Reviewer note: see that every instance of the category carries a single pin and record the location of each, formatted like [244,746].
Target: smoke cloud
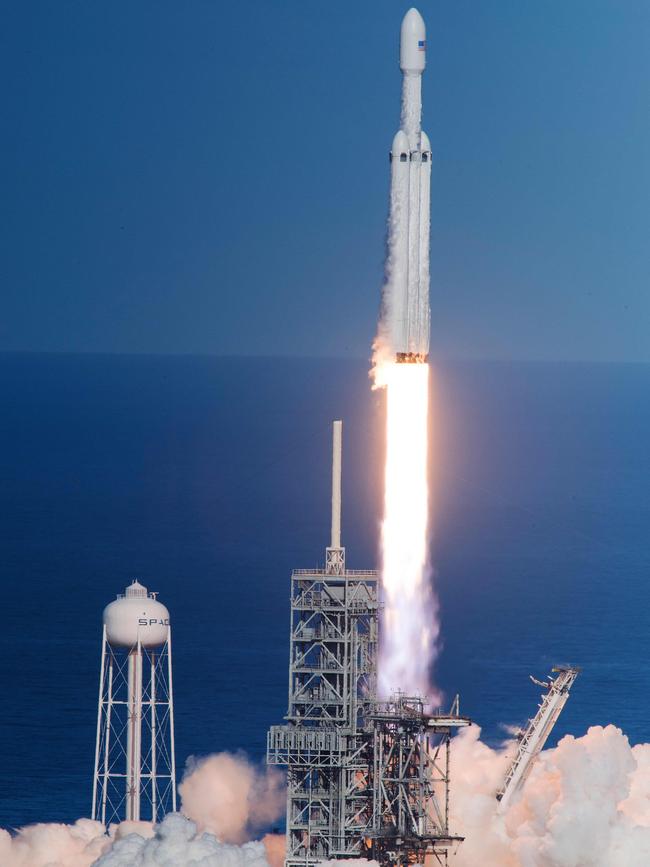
[178,843]
[585,804]
[77,845]
[230,798]
[225,801]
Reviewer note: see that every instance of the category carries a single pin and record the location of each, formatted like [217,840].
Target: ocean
[208,479]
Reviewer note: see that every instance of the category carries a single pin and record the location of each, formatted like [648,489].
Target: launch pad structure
[530,741]
[332,683]
[364,778]
[411,781]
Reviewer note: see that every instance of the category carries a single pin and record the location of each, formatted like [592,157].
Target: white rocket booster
[406,294]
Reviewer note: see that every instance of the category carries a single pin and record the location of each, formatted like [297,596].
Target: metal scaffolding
[411,781]
[364,779]
[331,685]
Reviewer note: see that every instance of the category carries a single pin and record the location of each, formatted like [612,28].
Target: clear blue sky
[209,177]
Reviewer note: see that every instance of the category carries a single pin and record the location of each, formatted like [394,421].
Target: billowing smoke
[177,842]
[225,801]
[77,845]
[585,804]
[231,798]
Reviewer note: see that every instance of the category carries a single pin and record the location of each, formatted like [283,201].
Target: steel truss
[135,771]
[411,781]
[332,683]
[364,779]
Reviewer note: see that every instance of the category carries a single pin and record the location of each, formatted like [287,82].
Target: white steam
[225,801]
[178,843]
[231,798]
[585,804]
[77,845]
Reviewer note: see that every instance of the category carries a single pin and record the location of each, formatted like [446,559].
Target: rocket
[406,293]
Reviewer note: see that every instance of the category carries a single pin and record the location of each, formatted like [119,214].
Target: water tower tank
[136,615]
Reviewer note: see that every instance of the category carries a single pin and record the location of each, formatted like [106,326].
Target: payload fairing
[406,294]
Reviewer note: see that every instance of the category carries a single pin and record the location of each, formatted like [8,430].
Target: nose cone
[400,144]
[413,42]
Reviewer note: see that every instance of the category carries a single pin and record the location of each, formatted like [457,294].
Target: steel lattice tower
[364,778]
[332,677]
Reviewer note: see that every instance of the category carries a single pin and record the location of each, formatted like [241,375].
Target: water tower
[135,768]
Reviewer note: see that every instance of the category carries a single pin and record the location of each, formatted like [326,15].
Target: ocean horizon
[207,478]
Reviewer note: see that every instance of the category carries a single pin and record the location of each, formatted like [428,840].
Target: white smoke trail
[411,108]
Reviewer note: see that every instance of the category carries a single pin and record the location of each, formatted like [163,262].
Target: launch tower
[332,676]
[364,778]
[135,769]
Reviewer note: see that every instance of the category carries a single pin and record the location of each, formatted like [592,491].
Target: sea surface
[208,480]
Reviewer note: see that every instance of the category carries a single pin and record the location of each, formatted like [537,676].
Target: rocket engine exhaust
[409,629]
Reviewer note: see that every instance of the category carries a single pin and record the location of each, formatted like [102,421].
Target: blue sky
[212,178]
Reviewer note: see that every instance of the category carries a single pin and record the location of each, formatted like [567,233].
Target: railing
[283,739]
[349,573]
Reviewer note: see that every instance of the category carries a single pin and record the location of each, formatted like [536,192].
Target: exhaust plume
[410,624]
